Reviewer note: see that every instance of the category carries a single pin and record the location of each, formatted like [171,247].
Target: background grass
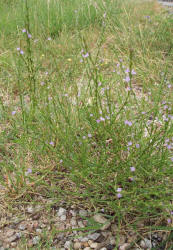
[65,104]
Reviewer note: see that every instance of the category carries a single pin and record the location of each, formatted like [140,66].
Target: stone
[12,238]
[38,230]
[94,236]
[30,209]
[114,228]
[103,248]
[83,239]
[61,212]
[83,213]
[13,244]
[124,246]
[94,245]
[22,226]
[73,221]
[112,240]
[68,244]
[77,245]
[121,240]
[63,217]
[73,213]
[99,218]
[80,224]
[145,243]
[87,248]
[9,233]
[36,240]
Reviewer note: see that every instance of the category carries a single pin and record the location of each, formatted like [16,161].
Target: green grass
[58,100]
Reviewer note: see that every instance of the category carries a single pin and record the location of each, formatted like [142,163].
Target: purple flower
[132,169]
[84,137]
[29,35]
[42,83]
[13,112]
[99,84]
[24,30]
[81,61]
[169,86]
[49,39]
[119,195]
[172,159]
[129,143]
[128,123]
[21,52]
[102,118]
[169,146]
[89,135]
[61,161]
[91,115]
[131,179]
[127,71]
[98,121]
[169,220]
[51,143]
[171,212]
[133,72]
[127,79]
[128,88]
[118,65]
[85,55]
[29,171]
[147,17]
[18,49]
[137,145]
[119,190]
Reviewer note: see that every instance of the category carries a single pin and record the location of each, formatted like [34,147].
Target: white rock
[73,213]
[103,248]
[38,230]
[93,236]
[68,244]
[145,243]
[87,248]
[36,240]
[94,245]
[83,239]
[73,222]
[30,209]
[22,226]
[124,246]
[112,240]
[80,224]
[61,212]
[100,218]
[63,217]
[77,245]
[83,213]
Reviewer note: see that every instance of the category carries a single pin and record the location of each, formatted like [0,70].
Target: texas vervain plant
[96,101]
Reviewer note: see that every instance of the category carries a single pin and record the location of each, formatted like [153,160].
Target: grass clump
[86,106]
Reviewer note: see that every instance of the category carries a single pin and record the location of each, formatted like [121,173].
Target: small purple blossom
[18,49]
[172,159]
[169,86]
[49,38]
[128,88]
[127,79]
[137,145]
[91,115]
[85,55]
[61,161]
[29,35]
[119,190]
[129,123]
[13,112]
[119,195]
[21,52]
[129,143]
[102,118]
[24,30]
[98,121]
[118,65]
[89,135]
[169,220]
[131,179]
[133,72]
[99,84]
[132,169]
[84,137]
[29,171]
[81,61]
[127,71]
[42,83]
[147,17]
[51,143]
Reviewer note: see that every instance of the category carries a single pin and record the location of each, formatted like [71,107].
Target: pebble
[12,238]
[122,240]
[87,248]
[30,209]
[36,240]
[2,248]
[80,224]
[22,226]
[61,212]
[112,240]
[38,230]
[14,244]
[124,246]
[94,236]
[73,213]
[83,239]
[94,245]
[63,217]
[102,220]
[73,221]
[68,244]
[103,248]
[83,213]
[77,245]
[145,243]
